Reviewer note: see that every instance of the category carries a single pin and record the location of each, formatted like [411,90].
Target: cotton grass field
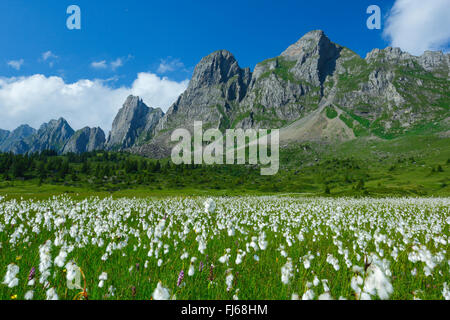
[224,248]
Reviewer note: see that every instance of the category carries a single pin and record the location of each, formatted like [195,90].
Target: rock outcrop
[50,136]
[13,141]
[85,140]
[134,124]
[3,135]
[217,87]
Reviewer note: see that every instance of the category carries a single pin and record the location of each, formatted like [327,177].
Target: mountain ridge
[314,90]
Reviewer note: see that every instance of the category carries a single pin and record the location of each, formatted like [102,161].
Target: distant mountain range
[315,90]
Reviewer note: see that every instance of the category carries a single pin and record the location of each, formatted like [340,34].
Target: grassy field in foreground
[225,248]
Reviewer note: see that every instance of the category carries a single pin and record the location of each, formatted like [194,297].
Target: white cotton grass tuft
[229,279]
[377,283]
[262,241]
[325,296]
[73,276]
[10,278]
[61,258]
[374,281]
[161,293]
[51,294]
[111,291]
[287,271]
[241,254]
[308,295]
[210,205]
[103,277]
[235,296]
[333,261]
[191,270]
[226,257]
[29,295]
[45,261]
[446,291]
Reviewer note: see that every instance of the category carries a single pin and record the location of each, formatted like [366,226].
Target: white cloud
[113,65]
[16,64]
[38,99]
[170,65]
[116,64]
[99,64]
[48,55]
[417,25]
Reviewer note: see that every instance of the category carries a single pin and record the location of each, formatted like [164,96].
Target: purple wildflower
[211,273]
[180,278]
[32,274]
[200,267]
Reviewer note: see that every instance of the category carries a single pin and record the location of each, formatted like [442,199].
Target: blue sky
[165,39]
[141,33]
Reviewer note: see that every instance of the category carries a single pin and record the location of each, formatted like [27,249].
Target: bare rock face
[133,124]
[85,140]
[3,135]
[290,86]
[9,140]
[315,57]
[50,136]
[436,62]
[215,91]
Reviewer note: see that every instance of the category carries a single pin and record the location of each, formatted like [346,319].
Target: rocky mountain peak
[315,55]
[135,121]
[3,135]
[85,140]
[216,68]
[59,129]
[23,131]
[9,139]
[312,41]
[389,55]
[134,102]
[431,61]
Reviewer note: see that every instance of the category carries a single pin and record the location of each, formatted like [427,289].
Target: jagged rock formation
[50,136]
[133,124]
[217,87]
[3,135]
[12,141]
[85,140]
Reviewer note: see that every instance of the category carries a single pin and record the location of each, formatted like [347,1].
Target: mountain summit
[133,124]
